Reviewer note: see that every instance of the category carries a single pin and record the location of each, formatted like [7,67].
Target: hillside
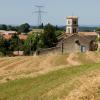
[51,77]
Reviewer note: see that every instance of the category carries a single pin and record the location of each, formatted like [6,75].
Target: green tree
[3,27]
[58,33]
[41,26]
[30,44]
[2,49]
[24,28]
[12,28]
[4,46]
[50,38]
[98,29]
[15,43]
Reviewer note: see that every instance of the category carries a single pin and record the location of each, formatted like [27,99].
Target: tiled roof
[87,33]
[7,32]
[22,37]
[7,36]
[72,17]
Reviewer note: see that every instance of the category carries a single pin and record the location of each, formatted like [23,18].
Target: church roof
[88,33]
[72,17]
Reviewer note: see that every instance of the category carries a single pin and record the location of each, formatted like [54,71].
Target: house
[3,32]
[23,37]
[8,34]
[37,31]
[77,42]
[74,41]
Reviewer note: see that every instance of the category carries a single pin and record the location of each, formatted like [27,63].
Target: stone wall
[53,50]
[69,45]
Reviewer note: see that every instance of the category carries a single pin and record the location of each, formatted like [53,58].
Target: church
[74,41]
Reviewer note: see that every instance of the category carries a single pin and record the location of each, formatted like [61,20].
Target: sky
[16,12]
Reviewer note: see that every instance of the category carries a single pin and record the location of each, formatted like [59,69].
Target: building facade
[72,25]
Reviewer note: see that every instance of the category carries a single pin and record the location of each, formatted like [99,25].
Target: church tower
[72,25]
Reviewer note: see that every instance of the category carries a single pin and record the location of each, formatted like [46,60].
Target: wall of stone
[53,50]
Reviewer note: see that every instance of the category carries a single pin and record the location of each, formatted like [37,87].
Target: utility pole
[62,47]
[39,12]
[31,47]
[18,44]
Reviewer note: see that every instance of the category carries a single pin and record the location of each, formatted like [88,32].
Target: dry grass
[71,83]
[12,68]
[87,87]
[34,75]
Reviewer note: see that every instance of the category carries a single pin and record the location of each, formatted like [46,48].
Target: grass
[60,60]
[51,86]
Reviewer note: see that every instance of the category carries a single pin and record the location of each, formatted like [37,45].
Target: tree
[98,29]
[2,49]
[15,43]
[8,46]
[24,28]
[30,44]
[50,38]
[41,26]
[3,27]
[12,28]
[58,33]
[4,46]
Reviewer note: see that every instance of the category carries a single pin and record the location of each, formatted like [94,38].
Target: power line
[39,12]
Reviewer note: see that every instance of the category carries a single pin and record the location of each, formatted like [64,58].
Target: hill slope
[51,77]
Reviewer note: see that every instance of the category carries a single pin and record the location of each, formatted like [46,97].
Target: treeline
[33,43]
[7,47]
[24,28]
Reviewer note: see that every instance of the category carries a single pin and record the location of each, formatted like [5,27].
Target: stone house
[78,42]
[74,41]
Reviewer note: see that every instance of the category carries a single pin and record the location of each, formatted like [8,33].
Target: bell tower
[72,25]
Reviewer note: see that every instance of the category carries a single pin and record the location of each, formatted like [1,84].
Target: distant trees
[58,33]
[15,43]
[98,29]
[3,27]
[30,44]
[4,46]
[7,47]
[50,38]
[41,26]
[2,49]
[24,28]
[12,28]
[33,43]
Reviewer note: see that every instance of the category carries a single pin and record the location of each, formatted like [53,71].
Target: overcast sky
[21,11]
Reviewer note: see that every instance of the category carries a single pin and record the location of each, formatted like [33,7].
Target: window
[68,30]
[74,22]
[74,30]
[68,22]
